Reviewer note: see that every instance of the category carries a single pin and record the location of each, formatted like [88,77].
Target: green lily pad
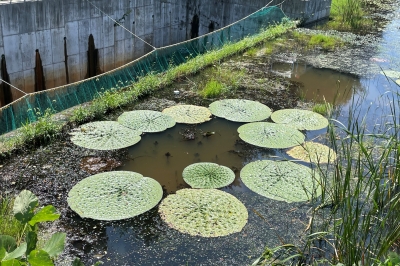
[114,195]
[146,121]
[204,212]
[188,114]
[105,135]
[313,152]
[300,119]
[208,175]
[270,135]
[281,180]
[239,110]
[391,74]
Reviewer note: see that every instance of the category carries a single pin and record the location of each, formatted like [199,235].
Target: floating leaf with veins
[114,195]
[313,152]
[204,212]
[281,180]
[105,135]
[239,110]
[270,135]
[208,175]
[300,119]
[188,114]
[146,121]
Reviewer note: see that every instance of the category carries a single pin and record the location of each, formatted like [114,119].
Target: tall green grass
[349,15]
[8,224]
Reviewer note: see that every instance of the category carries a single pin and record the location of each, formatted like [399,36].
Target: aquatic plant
[281,180]
[270,135]
[204,212]
[13,252]
[208,175]
[313,152]
[300,119]
[114,195]
[188,114]
[104,135]
[212,89]
[239,110]
[146,121]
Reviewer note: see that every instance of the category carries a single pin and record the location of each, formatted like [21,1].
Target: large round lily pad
[114,195]
[105,135]
[313,152]
[146,120]
[204,212]
[208,175]
[188,114]
[239,110]
[281,180]
[300,119]
[270,135]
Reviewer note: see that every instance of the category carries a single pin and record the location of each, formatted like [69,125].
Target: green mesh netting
[27,108]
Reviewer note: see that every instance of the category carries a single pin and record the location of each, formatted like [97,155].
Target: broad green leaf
[18,252]
[11,262]
[208,175]
[188,114]
[240,110]
[204,212]
[105,135]
[313,152]
[31,240]
[300,119]
[146,120]
[114,195]
[39,258]
[46,214]
[55,245]
[281,180]
[8,243]
[77,262]
[3,253]
[270,135]
[24,205]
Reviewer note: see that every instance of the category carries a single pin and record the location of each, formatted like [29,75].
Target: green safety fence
[28,108]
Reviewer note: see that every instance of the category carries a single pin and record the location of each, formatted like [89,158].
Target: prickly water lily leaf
[105,135]
[313,152]
[281,180]
[204,212]
[239,110]
[188,114]
[114,195]
[146,120]
[208,175]
[391,73]
[300,119]
[270,135]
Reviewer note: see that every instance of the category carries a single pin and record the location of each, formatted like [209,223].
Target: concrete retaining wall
[60,30]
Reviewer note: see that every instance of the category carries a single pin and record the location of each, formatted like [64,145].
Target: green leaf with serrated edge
[39,258]
[281,180]
[55,245]
[114,195]
[77,262]
[12,262]
[270,135]
[24,205]
[46,214]
[31,240]
[240,110]
[8,243]
[146,120]
[188,114]
[104,135]
[18,252]
[300,119]
[208,175]
[203,212]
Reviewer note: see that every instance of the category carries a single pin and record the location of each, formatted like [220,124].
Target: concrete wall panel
[43,43]
[49,76]
[84,32]
[59,74]
[119,53]
[57,44]
[97,31]
[17,80]
[28,41]
[57,19]
[12,50]
[72,34]
[73,68]
[43,14]
[9,17]
[83,65]
[27,17]
[109,54]
[29,80]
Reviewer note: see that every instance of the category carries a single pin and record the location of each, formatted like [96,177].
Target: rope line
[13,86]
[119,24]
